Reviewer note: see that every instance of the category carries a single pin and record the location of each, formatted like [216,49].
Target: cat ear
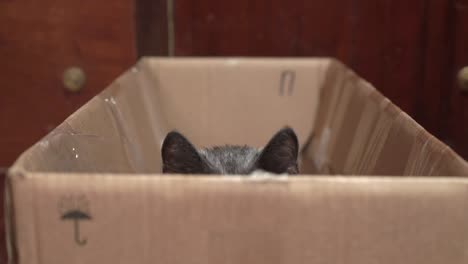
[180,156]
[280,154]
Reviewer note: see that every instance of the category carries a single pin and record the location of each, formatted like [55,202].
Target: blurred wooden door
[38,41]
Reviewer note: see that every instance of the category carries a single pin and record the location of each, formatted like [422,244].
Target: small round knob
[463,79]
[74,79]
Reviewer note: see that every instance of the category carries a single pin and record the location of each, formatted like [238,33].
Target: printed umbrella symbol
[76,216]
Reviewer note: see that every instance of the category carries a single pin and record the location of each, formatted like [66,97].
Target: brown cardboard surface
[148,219]
[212,101]
[104,161]
[360,132]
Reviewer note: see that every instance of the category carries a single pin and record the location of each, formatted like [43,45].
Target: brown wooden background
[410,50]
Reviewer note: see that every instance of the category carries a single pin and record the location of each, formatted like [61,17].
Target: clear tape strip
[111,103]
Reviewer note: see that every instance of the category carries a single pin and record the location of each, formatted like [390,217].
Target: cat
[279,156]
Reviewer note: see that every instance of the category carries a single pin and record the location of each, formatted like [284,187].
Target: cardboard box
[91,191]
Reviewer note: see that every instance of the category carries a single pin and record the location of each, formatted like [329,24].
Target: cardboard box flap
[117,131]
[360,132]
[145,219]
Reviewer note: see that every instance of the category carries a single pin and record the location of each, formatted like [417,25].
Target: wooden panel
[386,48]
[458,110]
[38,40]
[432,99]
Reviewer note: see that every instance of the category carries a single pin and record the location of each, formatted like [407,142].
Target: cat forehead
[231,159]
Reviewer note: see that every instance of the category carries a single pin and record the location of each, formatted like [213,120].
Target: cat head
[279,156]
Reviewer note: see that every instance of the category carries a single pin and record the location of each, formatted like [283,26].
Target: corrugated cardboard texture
[183,220]
[88,192]
[360,132]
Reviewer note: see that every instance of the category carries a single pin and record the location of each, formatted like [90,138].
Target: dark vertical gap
[151,28]
[423,60]
[446,91]
[170,27]
[136,41]
[354,13]
[386,46]
[138,31]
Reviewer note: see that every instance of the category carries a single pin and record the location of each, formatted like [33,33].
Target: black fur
[279,156]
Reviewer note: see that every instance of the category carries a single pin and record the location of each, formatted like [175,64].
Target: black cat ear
[180,156]
[280,154]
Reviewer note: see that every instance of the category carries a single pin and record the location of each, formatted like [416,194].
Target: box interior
[344,125]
